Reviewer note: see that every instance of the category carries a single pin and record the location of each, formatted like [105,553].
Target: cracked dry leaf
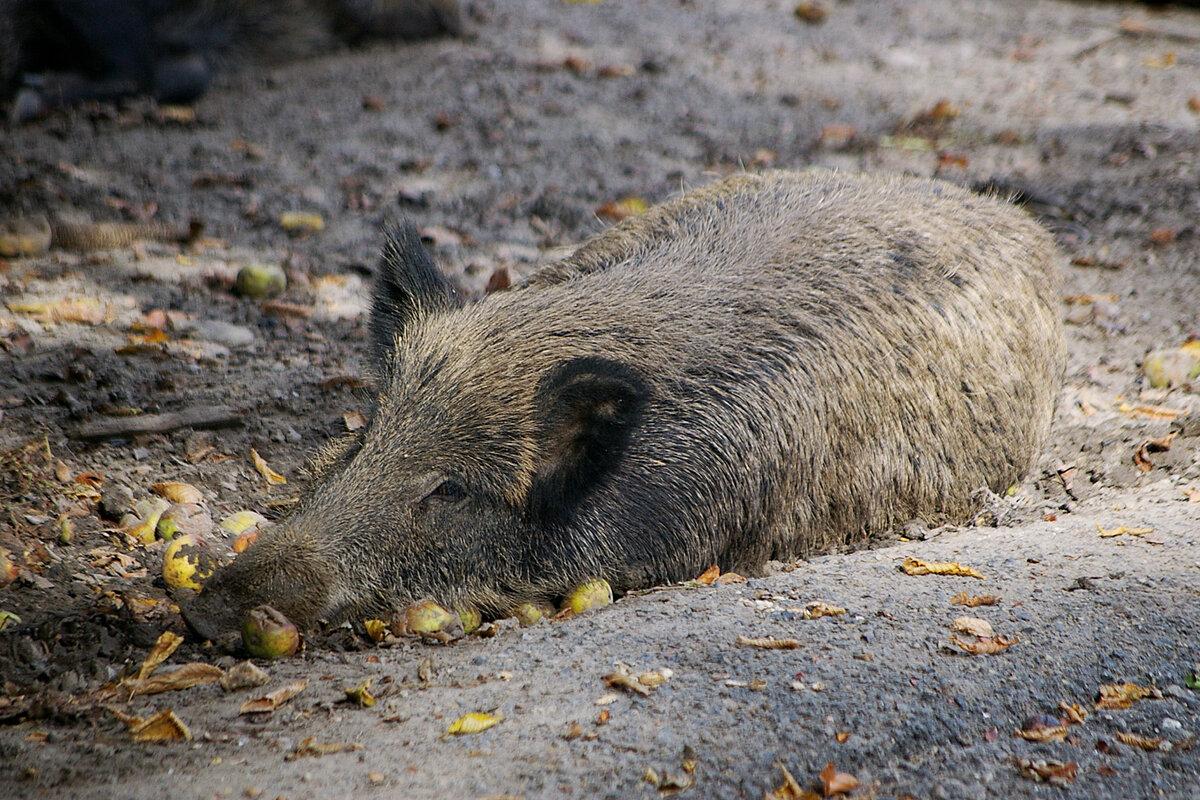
[1074,713]
[1057,773]
[1123,695]
[1122,530]
[273,700]
[361,695]
[621,678]
[768,642]
[243,675]
[916,566]
[790,789]
[818,608]
[185,677]
[162,650]
[966,599]
[1142,742]
[272,477]
[985,646]
[974,626]
[475,722]
[834,782]
[311,747]
[177,492]
[161,727]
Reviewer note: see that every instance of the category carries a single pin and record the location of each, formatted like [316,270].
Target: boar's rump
[763,367]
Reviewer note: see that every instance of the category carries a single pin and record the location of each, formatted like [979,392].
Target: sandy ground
[502,148]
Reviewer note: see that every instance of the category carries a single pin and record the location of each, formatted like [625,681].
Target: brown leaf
[162,650]
[834,782]
[790,789]
[1043,733]
[162,727]
[354,420]
[769,642]
[1143,742]
[1042,771]
[730,578]
[620,678]
[709,575]
[985,646]
[1123,695]
[1145,411]
[185,677]
[818,608]
[603,717]
[965,599]
[1074,713]
[243,675]
[814,13]
[573,732]
[974,626]
[915,566]
[272,477]
[311,747]
[273,700]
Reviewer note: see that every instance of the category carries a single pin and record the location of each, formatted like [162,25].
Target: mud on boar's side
[760,368]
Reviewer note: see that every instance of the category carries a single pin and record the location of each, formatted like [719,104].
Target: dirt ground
[504,148]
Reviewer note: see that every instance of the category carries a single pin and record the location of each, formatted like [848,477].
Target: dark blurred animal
[61,52]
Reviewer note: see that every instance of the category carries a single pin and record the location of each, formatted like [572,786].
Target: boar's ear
[587,409]
[408,286]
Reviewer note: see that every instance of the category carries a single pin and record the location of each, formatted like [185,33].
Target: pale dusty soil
[502,147]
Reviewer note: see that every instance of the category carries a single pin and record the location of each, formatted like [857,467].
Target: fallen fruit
[531,613]
[427,618]
[471,619]
[269,634]
[586,596]
[187,562]
[143,521]
[257,281]
[183,519]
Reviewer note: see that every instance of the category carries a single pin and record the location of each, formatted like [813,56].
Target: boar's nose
[209,615]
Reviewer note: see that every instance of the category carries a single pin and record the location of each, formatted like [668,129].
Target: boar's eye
[448,490]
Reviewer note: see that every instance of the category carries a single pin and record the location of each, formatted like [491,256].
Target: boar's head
[463,486]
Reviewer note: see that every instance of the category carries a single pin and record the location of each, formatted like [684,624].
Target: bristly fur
[766,366]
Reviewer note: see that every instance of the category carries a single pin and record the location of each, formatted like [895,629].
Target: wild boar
[763,367]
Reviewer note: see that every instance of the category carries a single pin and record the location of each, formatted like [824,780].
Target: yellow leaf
[162,650]
[818,608]
[1121,530]
[272,477]
[473,723]
[768,642]
[1123,695]
[915,566]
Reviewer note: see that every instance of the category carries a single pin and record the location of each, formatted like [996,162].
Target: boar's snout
[283,569]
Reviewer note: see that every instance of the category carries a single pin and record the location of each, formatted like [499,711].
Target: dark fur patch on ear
[408,286]
[588,409]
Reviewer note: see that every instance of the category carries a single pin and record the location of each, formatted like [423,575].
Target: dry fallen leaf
[311,747]
[162,650]
[1123,695]
[473,723]
[915,566]
[985,646]
[709,575]
[273,700]
[1043,728]
[1042,771]
[817,609]
[376,629]
[621,678]
[790,789]
[1073,712]
[177,492]
[272,477]
[834,782]
[1121,530]
[87,310]
[354,420]
[1143,742]
[974,626]
[1151,412]
[768,642]
[623,208]
[162,727]
[243,675]
[185,677]
[966,599]
[361,695]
